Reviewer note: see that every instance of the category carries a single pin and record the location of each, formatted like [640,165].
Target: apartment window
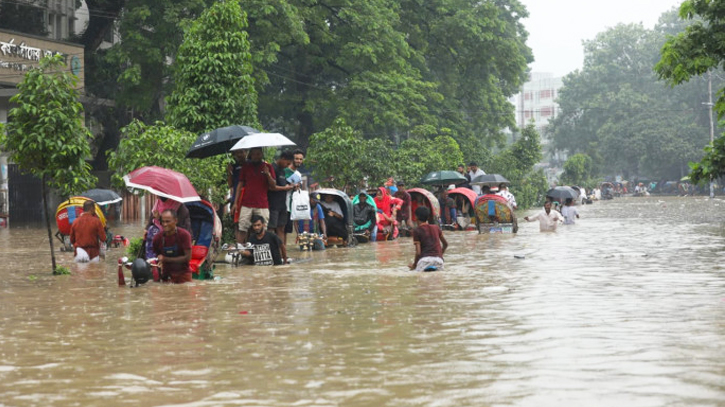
[528,96]
[527,114]
[546,94]
[547,111]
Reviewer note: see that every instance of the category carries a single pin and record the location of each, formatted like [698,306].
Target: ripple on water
[623,308]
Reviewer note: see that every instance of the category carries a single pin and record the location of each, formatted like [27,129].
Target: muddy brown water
[625,308]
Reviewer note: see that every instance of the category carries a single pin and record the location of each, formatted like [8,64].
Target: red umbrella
[162,182]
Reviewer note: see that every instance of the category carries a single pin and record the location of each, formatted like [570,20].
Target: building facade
[537,102]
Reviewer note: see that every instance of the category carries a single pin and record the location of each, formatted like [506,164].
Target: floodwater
[625,308]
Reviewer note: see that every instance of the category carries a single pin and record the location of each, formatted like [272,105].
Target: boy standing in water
[427,239]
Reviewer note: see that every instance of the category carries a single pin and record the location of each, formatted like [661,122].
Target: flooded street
[625,308]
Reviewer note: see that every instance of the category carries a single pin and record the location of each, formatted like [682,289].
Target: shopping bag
[300,209]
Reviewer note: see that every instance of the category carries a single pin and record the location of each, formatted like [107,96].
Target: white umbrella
[262,140]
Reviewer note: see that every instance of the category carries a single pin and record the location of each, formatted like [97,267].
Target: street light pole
[712,125]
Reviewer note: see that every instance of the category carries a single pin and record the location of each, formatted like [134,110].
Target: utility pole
[712,125]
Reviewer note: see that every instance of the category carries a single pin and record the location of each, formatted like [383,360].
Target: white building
[537,102]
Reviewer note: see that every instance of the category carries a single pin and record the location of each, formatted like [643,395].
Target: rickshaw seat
[198,255]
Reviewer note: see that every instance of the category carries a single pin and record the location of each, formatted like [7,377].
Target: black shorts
[277,218]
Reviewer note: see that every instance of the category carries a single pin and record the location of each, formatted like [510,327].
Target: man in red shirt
[87,234]
[173,249]
[256,177]
[427,239]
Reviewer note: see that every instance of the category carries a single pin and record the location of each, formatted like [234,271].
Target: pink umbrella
[162,182]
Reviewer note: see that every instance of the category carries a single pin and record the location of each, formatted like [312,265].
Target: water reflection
[624,307]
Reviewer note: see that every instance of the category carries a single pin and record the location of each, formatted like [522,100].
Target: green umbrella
[443,178]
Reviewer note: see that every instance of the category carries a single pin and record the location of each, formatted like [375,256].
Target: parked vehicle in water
[465,207]
[495,215]
[346,206]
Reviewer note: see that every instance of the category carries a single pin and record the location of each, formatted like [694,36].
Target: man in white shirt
[475,172]
[569,212]
[548,219]
[503,191]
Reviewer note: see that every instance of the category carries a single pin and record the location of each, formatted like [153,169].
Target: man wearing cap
[404,214]
[475,172]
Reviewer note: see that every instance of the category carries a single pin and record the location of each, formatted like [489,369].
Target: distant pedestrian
[404,214]
[462,170]
[294,176]
[569,212]
[503,191]
[475,172]
[277,195]
[87,234]
[430,244]
[548,219]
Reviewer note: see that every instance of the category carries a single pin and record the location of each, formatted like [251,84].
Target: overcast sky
[558,27]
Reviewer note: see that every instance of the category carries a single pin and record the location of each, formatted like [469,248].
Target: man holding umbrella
[256,177]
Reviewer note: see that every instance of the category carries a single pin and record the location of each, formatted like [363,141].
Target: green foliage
[622,115]
[516,163]
[228,229]
[342,159]
[213,73]
[61,271]
[388,66]
[348,161]
[476,54]
[45,132]
[577,170]
[712,165]
[418,156]
[166,146]
[697,49]
[135,246]
[150,33]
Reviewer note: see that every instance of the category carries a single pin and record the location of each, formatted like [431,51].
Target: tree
[150,34]
[617,109]
[342,159]
[213,73]
[577,170]
[165,146]
[517,162]
[388,66]
[425,152]
[45,133]
[476,54]
[694,51]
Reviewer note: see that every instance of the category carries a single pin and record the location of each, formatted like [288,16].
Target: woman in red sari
[387,209]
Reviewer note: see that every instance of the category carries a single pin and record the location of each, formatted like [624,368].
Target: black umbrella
[218,141]
[102,196]
[443,178]
[491,180]
[560,194]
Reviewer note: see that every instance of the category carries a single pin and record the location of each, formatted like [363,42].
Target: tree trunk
[47,221]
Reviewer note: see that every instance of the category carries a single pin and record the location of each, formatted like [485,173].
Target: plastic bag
[300,209]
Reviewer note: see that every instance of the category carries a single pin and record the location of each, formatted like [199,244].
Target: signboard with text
[19,53]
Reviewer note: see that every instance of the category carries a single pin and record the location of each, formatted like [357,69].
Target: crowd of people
[263,197]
